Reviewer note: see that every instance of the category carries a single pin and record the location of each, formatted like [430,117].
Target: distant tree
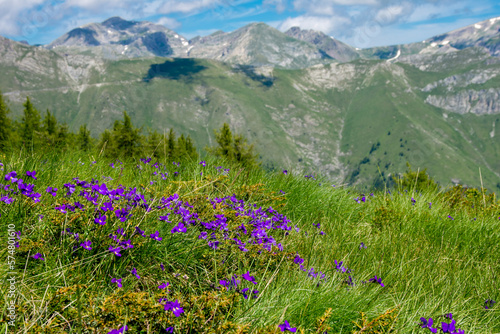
[50,124]
[155,144]
[30,122]
[127,137]
[224,138]
[191,149]
[62,137]
[106,144]
[84,139]
[233,147]
[5,124]
[171,145]
[48,131]
[180,151]
[243,152]
[417,180]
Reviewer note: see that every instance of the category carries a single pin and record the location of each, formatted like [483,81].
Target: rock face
[480,102]
[482,34]
[118,38]
[257,44]
[329,45]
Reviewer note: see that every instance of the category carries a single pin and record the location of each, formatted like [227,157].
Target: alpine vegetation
[154,245]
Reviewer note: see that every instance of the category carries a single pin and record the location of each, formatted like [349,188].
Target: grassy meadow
[208,247]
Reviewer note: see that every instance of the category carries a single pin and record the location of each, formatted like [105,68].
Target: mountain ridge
[355,121]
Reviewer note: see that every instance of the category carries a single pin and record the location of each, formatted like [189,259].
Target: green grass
[429,263]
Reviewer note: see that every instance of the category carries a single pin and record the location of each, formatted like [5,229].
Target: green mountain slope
[347,121]
[356,122]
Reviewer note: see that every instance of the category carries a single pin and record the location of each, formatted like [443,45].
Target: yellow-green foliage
[471,199]
[204,313]
[383,323]
[322,322]
[384,217]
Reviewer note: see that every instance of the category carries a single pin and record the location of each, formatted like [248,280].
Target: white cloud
[393,13]
[169,22]
[11,22]
[279,5]
[430,11]
[187,6]
[326,24]
[355,2]
[94,5]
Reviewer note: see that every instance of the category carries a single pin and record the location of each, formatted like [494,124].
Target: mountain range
[308,101]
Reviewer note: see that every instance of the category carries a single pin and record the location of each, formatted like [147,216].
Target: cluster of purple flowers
[261,222]
[234,282]
[23,188]
[445,327]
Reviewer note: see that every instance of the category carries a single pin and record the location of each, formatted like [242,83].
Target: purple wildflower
[126,244]
[448,328]
[100,219]
[428,324]
[244,293]
[298,259]
[286,327]
[340,267]
[249,278]
[11,176]
[141,232]
[86,245]
[107,206]
[179,228]
[115,251]
[120,231]
[7,199]
[488,303]
[155,236]
[377,280]
[122,214]
[31,174]
[165,218]
[134,272]
[175,307]
[118,281]
[51,191]
[121,330]
[213,244]
[163,285]
[38,256]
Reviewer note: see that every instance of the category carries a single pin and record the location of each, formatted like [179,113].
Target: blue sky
[360,23]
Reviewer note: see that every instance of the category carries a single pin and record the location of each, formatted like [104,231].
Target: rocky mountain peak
[327,44]
[118,23]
